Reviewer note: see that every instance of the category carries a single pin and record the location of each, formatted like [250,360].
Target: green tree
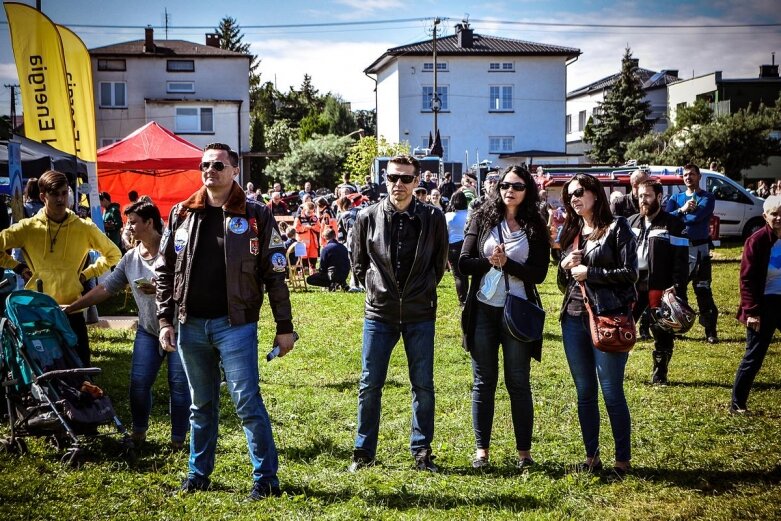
[231,39]
[318,160]
[338,115]
[257,144]
[367,120]
[361,157]
[621,118]
[280,137]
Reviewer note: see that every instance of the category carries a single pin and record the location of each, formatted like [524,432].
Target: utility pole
[435,101]
[13,103]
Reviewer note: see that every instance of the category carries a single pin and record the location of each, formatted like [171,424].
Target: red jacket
[753,272]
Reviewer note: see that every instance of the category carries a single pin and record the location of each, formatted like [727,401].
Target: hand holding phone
[276,349]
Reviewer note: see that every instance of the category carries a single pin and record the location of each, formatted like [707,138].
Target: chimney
[769,71]
[213,40]
[149,39]
[464,35]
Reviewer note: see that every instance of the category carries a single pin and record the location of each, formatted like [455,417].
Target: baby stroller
[47,391]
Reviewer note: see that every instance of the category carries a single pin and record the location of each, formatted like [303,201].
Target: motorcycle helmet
[674,314]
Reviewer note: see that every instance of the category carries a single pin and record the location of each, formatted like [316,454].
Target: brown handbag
[611,333]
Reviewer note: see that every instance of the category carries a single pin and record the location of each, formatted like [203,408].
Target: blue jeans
[203,344]
[489,333]
[145,365]
[590,369]
[379,339]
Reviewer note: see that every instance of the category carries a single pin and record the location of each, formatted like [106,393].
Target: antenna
[166,21]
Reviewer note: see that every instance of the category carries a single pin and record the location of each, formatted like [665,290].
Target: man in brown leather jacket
[218,255]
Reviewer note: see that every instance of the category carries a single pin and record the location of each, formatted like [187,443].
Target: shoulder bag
[522,318]
[610,332]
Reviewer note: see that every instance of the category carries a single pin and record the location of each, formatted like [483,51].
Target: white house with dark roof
[200,92]
[584,102]
[500,98]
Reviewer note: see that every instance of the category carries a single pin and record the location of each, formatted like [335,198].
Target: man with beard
[662,256]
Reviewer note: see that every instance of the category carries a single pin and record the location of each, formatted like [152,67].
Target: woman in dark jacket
[521,251]
[760,299]
[606,261]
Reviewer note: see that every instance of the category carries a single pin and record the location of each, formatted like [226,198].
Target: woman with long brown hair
[599,251]
[506,234]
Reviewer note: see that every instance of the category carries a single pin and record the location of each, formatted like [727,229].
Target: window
[569,124]
[428,93]
[113,94]
[106,141]
[499,144]
[194,120]
[112,65]
[180,86]
[180,66]
[723,190]
[581,120]
[501,98]
[501,67]
[429,66]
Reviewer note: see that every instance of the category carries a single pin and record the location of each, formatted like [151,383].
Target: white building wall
[226,125]
[536,120]
[146,77]
[686,91]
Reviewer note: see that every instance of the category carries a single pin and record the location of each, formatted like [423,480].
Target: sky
[335,55]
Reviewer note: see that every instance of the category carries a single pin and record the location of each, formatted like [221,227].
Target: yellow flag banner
[78,72]
[39,62]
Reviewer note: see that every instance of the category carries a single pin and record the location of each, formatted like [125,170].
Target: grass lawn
[691,458]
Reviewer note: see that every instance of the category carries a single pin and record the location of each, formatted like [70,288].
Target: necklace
[53,239]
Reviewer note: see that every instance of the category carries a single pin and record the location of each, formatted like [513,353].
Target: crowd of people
[199,282]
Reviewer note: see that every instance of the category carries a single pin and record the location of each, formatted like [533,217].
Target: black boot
[661,361]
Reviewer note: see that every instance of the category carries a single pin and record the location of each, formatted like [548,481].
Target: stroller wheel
[74,457]
[13,446]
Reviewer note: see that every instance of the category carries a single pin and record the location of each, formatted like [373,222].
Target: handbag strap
[576,245]
[530,291]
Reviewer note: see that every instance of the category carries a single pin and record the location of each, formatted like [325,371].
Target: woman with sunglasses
[505,234]
[600,251]
[136,269]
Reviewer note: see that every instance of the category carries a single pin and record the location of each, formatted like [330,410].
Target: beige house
[200,92]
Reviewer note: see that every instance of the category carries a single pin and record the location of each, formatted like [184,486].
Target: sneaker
[190,485]
[423,461]
[355,290]
[262,490]
[524,463]
[712,339]
[738,411]
[480,462]
[361,459]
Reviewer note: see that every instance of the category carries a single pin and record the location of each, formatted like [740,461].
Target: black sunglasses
[518,187]
[217,165]
[405,178]
[578,193]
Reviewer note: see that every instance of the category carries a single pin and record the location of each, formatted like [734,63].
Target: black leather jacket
[254,260]
[612,270]
[371,262]
[473,262]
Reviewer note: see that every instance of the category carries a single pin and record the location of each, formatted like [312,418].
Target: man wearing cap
[218,256]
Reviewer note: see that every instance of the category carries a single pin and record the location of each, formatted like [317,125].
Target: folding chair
[296,278]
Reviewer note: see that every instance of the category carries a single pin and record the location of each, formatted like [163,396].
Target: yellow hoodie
[57,253]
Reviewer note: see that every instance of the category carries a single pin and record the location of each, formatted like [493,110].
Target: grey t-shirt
[131,267]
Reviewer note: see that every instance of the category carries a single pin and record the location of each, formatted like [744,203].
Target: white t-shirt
[516,246]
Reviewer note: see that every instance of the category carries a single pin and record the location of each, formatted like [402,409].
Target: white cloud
[334,66]
[367,6]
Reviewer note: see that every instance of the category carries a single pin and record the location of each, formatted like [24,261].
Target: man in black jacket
[663,260]
[399,253]
[628,204]
[334,264]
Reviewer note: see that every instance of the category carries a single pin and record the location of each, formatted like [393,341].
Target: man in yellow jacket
[56,245]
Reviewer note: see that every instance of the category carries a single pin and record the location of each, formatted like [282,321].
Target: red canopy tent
[152,161]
